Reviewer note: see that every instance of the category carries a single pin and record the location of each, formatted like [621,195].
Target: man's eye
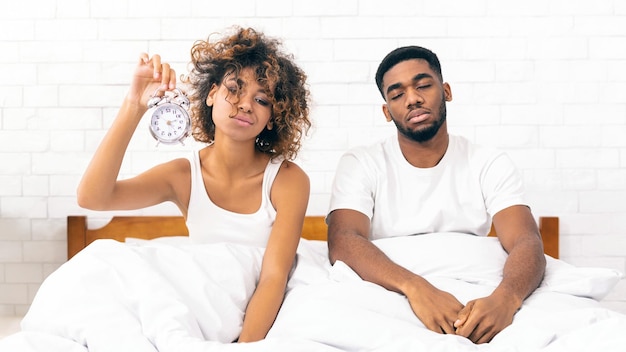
[424,86]
[395,96]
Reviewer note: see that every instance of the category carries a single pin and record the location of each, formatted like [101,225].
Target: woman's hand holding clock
[169,118]
[151,77]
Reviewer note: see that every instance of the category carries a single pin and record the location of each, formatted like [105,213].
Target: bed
[151,227]
[138,284]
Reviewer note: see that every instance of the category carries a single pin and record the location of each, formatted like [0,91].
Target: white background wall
[544,80]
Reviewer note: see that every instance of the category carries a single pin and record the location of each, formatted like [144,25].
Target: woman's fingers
[152,77]
[172,81]
[168,77]
[156,64]
[144,58]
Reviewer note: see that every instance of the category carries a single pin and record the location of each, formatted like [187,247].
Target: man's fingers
[485,338]
[463,315]
[478,331]
[482,335]
[441,325]
[448,328]
[466,324]
[460,321]
[442,329]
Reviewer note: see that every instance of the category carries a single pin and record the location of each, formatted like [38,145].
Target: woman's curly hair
[247,48]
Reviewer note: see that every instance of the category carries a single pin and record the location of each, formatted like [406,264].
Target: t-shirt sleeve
[353,185]
[502,184]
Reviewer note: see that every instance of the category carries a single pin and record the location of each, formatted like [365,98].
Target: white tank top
[208,223]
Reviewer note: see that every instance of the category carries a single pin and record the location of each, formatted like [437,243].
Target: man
[424,180]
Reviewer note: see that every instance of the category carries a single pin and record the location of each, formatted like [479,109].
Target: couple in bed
[249,104]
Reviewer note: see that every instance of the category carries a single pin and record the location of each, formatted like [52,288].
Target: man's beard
[425,134]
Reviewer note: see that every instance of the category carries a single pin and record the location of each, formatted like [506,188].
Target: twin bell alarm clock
[169,117]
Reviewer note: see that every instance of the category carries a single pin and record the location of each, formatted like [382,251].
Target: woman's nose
[244,103]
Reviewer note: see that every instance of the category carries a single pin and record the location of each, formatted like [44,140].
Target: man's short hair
[402,54]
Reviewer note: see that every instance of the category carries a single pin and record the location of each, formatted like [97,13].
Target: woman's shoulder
[292,174]
[291,187]
[182,164]
[291,169]
[175,169]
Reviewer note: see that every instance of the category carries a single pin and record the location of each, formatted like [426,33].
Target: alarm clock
[169,117]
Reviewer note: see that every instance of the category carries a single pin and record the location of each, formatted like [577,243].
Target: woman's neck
[233,159]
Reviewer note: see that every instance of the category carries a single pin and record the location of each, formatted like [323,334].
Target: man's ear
[386,112]
[447,92]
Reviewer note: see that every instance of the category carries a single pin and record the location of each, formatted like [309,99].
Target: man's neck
[424,154]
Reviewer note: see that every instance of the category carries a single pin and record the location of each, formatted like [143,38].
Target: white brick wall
[543,80]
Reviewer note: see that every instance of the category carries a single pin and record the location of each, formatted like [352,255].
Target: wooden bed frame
[150,227]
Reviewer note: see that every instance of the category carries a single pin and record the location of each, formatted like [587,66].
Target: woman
[249,103]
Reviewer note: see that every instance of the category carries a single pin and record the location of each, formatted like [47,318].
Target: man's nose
[413,97]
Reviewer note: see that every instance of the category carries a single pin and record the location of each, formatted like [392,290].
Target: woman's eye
[232,89]
[263,102]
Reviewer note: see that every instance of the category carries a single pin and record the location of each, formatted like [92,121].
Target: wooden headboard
[150,227]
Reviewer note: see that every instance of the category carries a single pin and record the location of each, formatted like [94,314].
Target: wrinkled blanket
[157,296]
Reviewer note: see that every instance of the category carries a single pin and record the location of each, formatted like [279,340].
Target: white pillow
[481,259]
[172,240]
[589,282]
[448,254]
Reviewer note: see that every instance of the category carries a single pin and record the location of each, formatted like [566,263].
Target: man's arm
[483,318]
[348,232]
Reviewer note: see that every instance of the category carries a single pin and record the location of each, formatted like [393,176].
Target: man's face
[416,99]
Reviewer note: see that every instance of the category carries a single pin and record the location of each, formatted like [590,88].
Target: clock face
[170,123]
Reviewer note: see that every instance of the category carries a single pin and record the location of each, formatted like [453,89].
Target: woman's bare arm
[290,196]
[99,188]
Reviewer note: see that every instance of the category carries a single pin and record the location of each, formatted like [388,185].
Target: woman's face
[241,106]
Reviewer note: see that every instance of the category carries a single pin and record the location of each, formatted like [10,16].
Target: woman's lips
[243,120]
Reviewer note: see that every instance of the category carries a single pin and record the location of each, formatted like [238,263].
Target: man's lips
[418,115]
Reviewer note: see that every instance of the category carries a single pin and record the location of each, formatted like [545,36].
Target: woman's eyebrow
[242,84]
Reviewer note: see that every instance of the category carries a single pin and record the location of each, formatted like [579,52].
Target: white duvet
[174,296]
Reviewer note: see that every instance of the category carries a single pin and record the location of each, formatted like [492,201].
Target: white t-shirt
[208,223]
[461,194]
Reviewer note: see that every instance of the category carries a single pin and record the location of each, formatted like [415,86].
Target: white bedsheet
[153,296]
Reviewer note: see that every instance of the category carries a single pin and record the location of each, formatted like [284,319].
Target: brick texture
[543,80]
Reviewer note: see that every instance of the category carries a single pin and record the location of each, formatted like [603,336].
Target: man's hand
[483,318]
[436,309]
